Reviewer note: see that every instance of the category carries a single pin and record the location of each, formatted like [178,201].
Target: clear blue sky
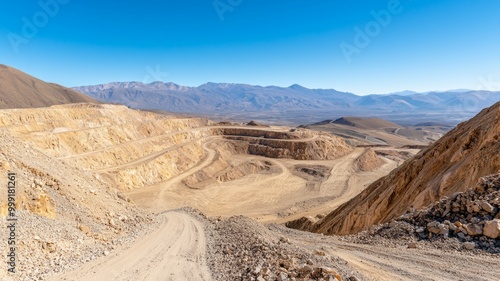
[426,45]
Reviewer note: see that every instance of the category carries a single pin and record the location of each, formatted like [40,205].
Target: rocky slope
[472,216]
[20,90]
[132,149]
[65,216]
[463,221]
[450,165]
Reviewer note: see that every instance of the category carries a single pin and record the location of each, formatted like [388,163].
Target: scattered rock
[83,228]
[492,229]
[486,206]
[469,245]
[412,245]
[49,247]
[473,229]
[472,216]
[320,253]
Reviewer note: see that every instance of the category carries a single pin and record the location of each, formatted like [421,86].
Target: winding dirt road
[175,251]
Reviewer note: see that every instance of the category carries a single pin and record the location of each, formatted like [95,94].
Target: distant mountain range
[294,104]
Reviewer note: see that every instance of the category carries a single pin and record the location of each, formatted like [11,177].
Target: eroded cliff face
[452,164]
[306,145]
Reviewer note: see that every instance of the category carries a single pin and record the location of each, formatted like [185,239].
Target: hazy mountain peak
[314,104]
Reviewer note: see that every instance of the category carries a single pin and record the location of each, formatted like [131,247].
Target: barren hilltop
[20,90]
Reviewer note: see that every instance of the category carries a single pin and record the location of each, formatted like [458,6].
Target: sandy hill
[378,131]
[432,124]
[451,164]
[20,90]
[365,123]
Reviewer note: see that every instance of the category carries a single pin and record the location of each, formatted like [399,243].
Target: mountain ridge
[288,103]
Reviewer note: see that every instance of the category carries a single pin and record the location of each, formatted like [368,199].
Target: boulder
[486,206]
[473,229]
[492,229]
[469,245]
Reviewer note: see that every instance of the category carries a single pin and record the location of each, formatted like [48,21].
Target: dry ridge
[450,165]
[20,90]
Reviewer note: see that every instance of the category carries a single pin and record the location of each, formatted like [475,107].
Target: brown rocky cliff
[452,164]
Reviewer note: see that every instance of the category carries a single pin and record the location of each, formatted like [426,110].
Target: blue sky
[413,45]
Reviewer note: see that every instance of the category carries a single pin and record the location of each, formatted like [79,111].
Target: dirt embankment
[298,145]
[368,161]
[65,216]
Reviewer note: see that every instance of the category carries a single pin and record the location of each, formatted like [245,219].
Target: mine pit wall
[322,148]
[162,168]
[121,155]
[206,175]
[100,138]
[265,133]
[89,140]
[221,170]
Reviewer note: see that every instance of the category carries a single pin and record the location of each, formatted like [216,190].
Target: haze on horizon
[373,47]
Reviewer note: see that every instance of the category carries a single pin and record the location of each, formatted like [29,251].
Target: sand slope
[20,90]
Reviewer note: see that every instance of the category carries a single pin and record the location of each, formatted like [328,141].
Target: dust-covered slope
[452,164]
[365,123]
[65,215]
[20,90]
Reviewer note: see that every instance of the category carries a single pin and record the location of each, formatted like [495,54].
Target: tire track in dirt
[175,251]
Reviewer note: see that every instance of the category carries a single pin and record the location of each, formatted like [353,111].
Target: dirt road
[175,251]
[392,261]
[387,263]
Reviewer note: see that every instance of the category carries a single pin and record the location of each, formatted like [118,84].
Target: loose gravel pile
[241,249]
[463,221]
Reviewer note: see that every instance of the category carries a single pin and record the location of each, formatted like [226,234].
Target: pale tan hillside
[452,164]
[65,216]
[20,90]
[365,123]
[380,132]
